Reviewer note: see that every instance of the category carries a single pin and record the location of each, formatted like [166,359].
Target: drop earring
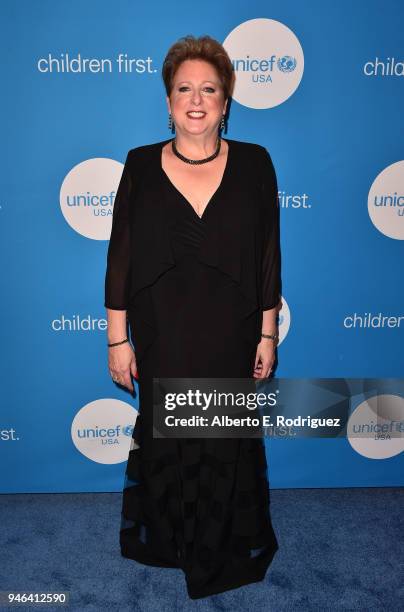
[170,123]
[222,124]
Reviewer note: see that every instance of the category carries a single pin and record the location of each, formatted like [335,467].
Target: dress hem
[253,577]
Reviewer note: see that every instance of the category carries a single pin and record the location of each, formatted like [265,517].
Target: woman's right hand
[122,363]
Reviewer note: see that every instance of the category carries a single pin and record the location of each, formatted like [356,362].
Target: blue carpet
[340,549]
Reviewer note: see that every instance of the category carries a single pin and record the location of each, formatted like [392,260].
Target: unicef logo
[87,196]
[283,320]
[268,62]
[375,429]
[102,430]
[286,63]
[127,430]
[386,201]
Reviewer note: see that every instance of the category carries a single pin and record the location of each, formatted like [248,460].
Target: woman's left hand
[264,358]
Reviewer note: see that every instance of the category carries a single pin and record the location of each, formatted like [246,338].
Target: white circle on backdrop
[87,196]
[386,201]
[102,430]
[283,320]
[370,424]
[268,62]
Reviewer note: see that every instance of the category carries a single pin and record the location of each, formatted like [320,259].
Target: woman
[194,266]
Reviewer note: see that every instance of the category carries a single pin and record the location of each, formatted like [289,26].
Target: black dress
[194,290]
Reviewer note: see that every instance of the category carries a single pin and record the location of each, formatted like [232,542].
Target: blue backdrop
[328,107]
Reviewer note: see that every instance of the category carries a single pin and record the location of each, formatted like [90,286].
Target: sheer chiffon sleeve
[117,277]
[271,260]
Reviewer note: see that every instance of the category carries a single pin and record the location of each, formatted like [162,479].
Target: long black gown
[194,309]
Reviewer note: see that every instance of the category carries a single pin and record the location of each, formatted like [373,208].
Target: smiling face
[196,102]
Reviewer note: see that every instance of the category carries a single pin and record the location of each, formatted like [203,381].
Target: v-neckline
[208,205]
